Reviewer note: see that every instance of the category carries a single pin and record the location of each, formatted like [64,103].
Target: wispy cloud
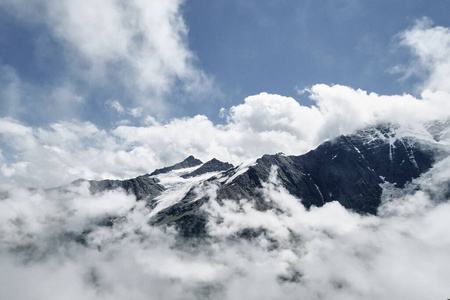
[133,48]
[430,46]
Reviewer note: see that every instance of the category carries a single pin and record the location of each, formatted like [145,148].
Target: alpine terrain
[359,171]
[361,216]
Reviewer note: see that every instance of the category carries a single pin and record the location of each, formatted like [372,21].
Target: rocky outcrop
[348,169]
[333,171]
[213,165]
[143,187]
[189,162]
[397,160]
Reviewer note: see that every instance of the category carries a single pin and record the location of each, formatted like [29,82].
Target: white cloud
[326,252]
[138,46]
[263,124]
[147,35]
[346,109]
[114,104]
[136,112]
[430,46]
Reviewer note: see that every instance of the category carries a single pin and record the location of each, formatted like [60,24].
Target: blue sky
[274,46]
[236,48]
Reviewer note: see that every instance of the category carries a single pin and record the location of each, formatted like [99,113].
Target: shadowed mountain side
[348,169]
[143,187]
[397,160]
[316,178]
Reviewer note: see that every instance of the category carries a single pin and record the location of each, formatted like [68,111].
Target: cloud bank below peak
[54,244]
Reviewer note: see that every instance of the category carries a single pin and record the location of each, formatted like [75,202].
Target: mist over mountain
[354,170]
[128,171]
[342,220]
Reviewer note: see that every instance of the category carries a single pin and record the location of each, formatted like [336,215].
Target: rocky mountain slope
[350,169]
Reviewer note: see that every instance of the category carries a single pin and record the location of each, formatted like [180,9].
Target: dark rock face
[213,165]
[348,169]
[397,160]
[339,172]
[189,162]
[333,171]
[185,207]
[193,225]
[143,187]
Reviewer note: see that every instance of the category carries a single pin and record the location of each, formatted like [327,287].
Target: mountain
[213,165]
[143,187]
[348,169]
[190,161]
[351,169]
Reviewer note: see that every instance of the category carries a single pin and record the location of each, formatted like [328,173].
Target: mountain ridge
[349,169]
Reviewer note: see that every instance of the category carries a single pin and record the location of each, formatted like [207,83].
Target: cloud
[49,157]
[346,109]
[121,111]
[263,124]
[133,48]
[136,112]
[114,104]
[24,100]
[148,36]
[10,91]
[430,47]
[338,253]
[53,244]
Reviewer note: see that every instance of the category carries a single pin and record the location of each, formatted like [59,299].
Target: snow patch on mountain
[176,187]
[241,169]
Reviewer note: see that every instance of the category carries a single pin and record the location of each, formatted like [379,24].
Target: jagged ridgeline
[350,169]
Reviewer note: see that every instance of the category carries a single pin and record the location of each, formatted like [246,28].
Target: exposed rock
[348,169]
[193,225]
[180,209]
[143,187]
[213,165]
[333,171]
[396,160]
[189,162]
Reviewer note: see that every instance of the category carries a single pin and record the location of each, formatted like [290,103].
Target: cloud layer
[52,244]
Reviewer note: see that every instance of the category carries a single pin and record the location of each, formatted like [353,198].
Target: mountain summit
[190,161]
[353,170]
